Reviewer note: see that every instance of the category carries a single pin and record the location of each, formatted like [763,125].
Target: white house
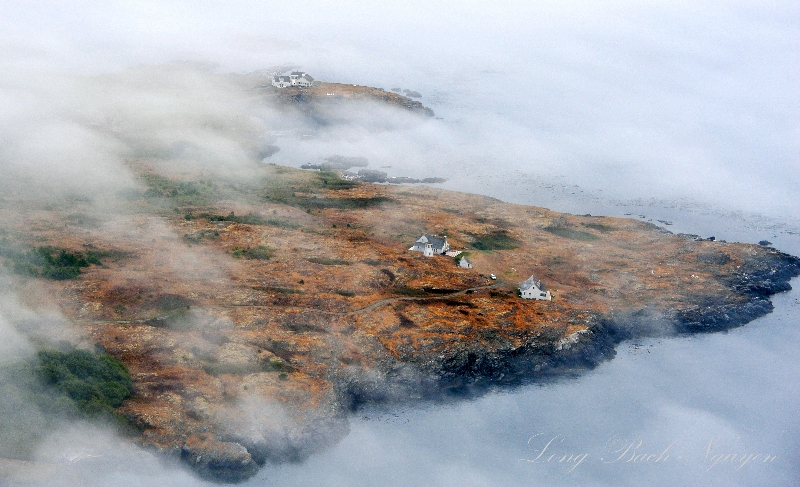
[301,79]
[533,289]
[281,81]
[430,245]
[463,262]
[296,78]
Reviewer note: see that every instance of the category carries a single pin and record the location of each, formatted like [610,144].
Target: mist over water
[681,401]
[679,114]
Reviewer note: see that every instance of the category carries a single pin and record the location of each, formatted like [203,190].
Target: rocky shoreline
[469,369]
[468,372]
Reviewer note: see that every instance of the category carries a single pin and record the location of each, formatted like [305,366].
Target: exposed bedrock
[471,370]
[221,461]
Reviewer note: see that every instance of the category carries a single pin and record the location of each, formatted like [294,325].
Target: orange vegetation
[203,328]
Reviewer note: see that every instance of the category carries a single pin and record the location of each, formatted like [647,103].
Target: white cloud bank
[692,100]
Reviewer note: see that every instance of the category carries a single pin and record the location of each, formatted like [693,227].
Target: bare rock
[221,461]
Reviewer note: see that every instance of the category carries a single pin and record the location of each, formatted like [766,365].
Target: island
[254,314]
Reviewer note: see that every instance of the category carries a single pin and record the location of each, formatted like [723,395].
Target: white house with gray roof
[531,288]
[281,81]
[430,245]
[296,78]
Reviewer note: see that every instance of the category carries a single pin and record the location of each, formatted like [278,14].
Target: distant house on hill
[296,78]
[533,289]
[281,81]
[463,262]
[430,245]
[300,78]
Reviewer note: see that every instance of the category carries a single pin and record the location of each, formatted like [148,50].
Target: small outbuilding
[463,262]
[531,288]
[430,245]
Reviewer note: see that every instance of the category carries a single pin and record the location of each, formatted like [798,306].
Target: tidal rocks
[217,460]
[468,370]
[766,275]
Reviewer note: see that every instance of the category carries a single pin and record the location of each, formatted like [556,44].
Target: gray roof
[309,78]
[436,242]
[531,281]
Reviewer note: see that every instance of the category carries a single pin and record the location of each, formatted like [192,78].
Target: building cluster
[296,78]
[431,245]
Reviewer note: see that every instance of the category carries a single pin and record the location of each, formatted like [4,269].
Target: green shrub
[49,262]
[184,193]
[287,196]
[256,253]
[170,303]
[341,203]
[95,383]
[249,219]
[200,235]
[276,365]
[571,233]
[599,227]
[496,241]
[409,291]
[332,180]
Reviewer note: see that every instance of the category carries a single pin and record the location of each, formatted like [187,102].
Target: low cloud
[549,103]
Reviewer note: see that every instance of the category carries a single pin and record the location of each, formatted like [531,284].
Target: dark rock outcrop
[217,460]
[471,370]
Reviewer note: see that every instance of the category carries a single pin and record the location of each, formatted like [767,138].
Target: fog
[679,112]
[635,99]
[669,398]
